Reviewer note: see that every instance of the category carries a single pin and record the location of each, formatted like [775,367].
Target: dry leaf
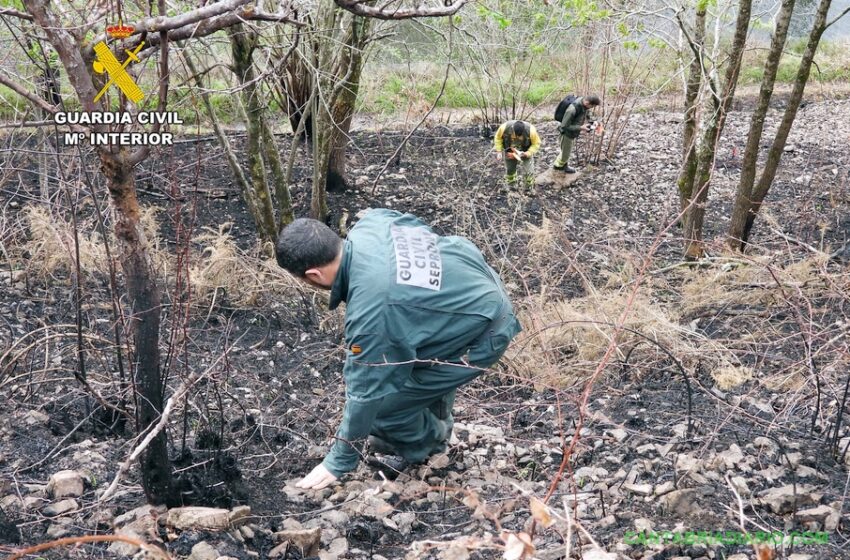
[471,501]
[540,512]
[764,552]
[517,546]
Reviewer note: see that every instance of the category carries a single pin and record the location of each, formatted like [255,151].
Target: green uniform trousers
[526,166]
[566,148]
[417,420]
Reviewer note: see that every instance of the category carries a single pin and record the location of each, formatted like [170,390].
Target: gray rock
[32,502]
[63,506]
[198,518]
[239,515]
[643,524]
[306,540]
[556,178]
[139,523]
[12,501]
[66,484]
[439,461]
[784,500]
[279,551]
[820,518]
[60,527]
[292,524]
[35,418]
[404,521]
[638,489]
[619,434]
[741,485]
[203,551]
[337,549]
[682,503]
[336,517]
[664,488]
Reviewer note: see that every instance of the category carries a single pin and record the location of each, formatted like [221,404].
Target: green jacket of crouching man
[424,313]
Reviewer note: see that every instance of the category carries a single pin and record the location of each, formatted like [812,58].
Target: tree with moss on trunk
[699,158]
[751,194]
[322,85]
[261,146]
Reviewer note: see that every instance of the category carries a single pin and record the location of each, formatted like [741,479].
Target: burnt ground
[662,445]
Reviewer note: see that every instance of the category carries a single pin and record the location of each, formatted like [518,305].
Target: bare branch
[836,18]
[163,23]
[31,97]
[357,7]
[217,23]
[15,13]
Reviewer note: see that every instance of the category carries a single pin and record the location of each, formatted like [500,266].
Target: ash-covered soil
[662,446]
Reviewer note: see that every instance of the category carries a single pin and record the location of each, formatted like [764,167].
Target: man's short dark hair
[593,100]
[306,244]
[519,128]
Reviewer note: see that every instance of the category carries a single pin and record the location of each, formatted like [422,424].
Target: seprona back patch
[417,257]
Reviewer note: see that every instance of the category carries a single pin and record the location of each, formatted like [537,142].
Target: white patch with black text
[417,257]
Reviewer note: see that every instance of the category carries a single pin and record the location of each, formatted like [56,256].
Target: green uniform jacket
[410,295]
[574,118]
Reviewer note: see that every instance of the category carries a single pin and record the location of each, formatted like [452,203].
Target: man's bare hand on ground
[319,478]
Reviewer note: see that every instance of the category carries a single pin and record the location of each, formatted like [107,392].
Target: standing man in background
[573,114]
[516,142]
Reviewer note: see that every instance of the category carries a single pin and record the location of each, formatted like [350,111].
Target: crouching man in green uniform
[516,142]
[423,315]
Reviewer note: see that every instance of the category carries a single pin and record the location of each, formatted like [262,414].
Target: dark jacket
[574,118]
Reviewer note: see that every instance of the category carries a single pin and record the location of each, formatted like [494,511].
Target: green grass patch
[11,104]
[541,91]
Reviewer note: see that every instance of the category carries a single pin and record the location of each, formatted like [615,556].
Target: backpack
[563,106]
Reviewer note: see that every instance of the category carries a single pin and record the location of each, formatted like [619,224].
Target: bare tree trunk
[345,96]
[338,77]
[750,159]
[243,42]
[141,287]
[721,102]
[144,299]
[323,123]
[233,162]
[687,173]
[746,208]
[281,186]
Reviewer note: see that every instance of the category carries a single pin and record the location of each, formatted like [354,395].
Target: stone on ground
[557,179]
[306,540]
[191,518]
[139,523]
[203,551]
[65,484]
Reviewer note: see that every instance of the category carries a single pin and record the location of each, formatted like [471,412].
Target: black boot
[390,465]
